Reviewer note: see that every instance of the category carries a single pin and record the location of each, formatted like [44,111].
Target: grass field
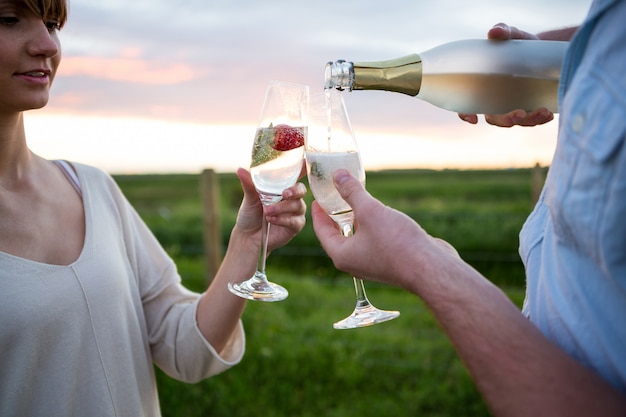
[296,364]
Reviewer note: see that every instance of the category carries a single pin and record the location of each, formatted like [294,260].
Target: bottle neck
[339,75]
[402,75]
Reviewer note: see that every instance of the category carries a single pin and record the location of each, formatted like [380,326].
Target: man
[566,354]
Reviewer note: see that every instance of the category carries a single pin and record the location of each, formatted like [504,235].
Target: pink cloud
[128,69]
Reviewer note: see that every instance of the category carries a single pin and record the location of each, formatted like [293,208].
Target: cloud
[208,62]
[131,70]
[178,85]
[224,52]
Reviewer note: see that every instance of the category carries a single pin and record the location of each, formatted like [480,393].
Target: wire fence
[482,224]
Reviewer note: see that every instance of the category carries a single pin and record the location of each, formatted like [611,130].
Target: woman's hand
[287,217]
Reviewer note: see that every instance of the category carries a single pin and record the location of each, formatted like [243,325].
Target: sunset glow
[125,145]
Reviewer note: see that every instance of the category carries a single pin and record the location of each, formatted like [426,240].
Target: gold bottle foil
[402,75]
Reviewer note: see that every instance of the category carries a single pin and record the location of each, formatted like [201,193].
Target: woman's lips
[38,76]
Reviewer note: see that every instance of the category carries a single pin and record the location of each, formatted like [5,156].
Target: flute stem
[364,314]
[265,237]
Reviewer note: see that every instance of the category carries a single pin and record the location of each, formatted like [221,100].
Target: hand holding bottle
[520,117]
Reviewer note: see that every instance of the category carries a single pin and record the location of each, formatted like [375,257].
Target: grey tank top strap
[70,174]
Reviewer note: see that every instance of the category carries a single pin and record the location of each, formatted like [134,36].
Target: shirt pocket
[588,166]
[531,234]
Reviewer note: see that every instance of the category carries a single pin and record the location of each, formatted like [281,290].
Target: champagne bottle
[476,76]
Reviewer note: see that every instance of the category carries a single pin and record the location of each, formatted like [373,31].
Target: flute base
[366,315]
[258,288]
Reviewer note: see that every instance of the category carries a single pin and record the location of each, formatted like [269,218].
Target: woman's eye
[8,20]
[53,25]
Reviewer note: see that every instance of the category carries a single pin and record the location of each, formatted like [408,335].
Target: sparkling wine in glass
[329,146]
[277,158]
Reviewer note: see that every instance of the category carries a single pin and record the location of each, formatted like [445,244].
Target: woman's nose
[43,42]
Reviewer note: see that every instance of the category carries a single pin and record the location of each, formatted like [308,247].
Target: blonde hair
[48,9]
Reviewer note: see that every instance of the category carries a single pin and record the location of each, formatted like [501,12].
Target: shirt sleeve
[175,341]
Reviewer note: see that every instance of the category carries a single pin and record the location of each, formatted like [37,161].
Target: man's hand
[518,117]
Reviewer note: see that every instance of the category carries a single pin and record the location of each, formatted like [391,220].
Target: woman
[89,301]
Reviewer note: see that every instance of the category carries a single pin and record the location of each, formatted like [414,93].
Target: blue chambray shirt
[574,242]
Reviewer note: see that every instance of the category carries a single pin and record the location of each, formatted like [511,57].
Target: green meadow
[296,364]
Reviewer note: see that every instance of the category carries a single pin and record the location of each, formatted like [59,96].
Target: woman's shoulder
[91,173]
[94,178]
[89,170]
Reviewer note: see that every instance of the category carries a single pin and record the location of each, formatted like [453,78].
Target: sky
[154,86]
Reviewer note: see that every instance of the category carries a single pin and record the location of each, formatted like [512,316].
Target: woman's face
[31,53]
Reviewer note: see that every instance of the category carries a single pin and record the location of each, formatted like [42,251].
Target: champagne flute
[277,158]
[331,145]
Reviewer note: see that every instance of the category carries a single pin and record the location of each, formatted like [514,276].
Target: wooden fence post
[209,191]
[537,181]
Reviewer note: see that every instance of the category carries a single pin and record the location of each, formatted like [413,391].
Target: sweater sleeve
[175,341]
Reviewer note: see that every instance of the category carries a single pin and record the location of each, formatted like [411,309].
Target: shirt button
[578,123]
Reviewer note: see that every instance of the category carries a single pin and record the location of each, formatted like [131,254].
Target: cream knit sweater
[81,340]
